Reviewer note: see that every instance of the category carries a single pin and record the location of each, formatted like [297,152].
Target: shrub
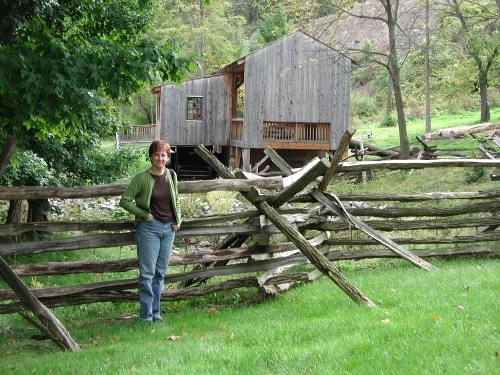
[363,106]
[388,121]
[28,169]
[474,174]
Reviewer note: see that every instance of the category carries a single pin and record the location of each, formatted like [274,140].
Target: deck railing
[146,133]
[295,132]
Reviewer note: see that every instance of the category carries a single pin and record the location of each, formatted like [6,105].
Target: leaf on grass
[480,266]
[385,320]
[173,337]
[435,317]
[213,311]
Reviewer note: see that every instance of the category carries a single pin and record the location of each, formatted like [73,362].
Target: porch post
[245,154]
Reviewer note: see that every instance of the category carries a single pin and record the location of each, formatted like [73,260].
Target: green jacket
[137,196]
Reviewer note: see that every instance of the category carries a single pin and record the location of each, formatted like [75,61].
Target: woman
[153,198]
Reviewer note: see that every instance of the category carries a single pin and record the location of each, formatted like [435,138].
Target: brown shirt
[161,200]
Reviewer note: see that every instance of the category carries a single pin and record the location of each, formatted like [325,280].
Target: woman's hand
[176,226]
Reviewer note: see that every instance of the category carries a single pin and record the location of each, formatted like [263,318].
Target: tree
[212,32]
[399,22]
[474,26]
[65,65]
[273,26]
[61,63]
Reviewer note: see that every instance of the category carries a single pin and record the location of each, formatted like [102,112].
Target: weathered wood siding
[296,79]
[213,129]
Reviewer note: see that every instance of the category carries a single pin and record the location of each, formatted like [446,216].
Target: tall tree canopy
[62,63]
[474,27]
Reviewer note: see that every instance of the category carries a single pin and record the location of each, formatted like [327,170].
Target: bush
[388,121]
[474,174]
[363,106]
[28,169]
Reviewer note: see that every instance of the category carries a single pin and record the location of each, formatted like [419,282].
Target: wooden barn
[292,94]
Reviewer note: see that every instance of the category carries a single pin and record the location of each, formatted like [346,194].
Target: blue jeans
[154,241]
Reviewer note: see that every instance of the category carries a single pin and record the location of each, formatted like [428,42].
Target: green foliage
[214,35]
[273,26]
[60,65]
[388,121]
[28,169]
[363,106]
[103,166]
[71,165]
[474,174]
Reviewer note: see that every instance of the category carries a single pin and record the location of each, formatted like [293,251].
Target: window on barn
[194,107]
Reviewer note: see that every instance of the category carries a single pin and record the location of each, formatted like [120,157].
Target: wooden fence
[446,229]
[344,227]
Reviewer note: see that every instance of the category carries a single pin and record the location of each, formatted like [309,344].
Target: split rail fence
[321,228]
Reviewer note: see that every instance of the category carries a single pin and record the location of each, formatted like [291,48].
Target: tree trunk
[6,153]
[483,92]
[394,71]
[388,104]
[427,71]
[14,215]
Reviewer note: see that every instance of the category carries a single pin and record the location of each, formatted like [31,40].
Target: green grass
[439,322]
[389,137]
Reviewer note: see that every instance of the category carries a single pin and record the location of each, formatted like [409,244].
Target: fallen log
[353,143]
[460,131]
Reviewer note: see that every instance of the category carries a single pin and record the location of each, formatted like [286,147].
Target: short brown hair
[159,146]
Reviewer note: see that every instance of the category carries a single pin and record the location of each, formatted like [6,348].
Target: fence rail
[461,229]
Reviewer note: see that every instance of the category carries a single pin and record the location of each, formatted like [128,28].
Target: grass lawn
[439,322]
[389,137]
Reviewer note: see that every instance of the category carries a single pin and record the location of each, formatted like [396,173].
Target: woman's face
[159,159]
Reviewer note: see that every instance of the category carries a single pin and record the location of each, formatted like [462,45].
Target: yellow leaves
[213,311]
[174,337]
